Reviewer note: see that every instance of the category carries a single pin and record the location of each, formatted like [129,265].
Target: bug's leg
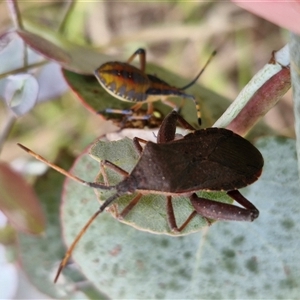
[189,219]
[117,169]
[130,114]
[238,197]
[198,109]
[150,109]
[178,109]
[114,167]
[170,215]
[106,163]
[142,54]
[126,112]
[223,211]
[166,101]
[170,103]
[137,145]
[135,200]
[130,206]
[192,82]
[172,220]
[167,129]
[136,107]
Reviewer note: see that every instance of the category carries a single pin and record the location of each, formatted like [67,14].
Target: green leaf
[44,47]
[80,59]
[228,260]
[19,202]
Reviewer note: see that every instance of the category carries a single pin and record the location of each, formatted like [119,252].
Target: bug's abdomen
[123,81]
[162,88]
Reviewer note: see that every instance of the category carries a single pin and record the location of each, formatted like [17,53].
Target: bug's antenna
[82,232]
[64,172]
[202,70]
[86,183]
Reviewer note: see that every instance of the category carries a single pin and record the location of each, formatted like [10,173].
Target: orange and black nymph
[128,83]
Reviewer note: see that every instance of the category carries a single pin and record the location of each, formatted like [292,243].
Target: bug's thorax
[127,186]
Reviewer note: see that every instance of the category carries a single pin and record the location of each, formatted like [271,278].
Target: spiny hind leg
[172,219]
[224,211]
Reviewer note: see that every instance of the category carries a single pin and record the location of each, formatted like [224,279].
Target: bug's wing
[208,175]
[211,159]
[224,161]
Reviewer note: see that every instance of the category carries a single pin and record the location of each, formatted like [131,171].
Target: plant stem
[23,69]
[68,10]
[8,125]
[15,13]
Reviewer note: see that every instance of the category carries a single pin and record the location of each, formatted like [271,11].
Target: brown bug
[212,159]
[128,83]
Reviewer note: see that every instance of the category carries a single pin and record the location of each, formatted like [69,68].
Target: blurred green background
[177,35]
